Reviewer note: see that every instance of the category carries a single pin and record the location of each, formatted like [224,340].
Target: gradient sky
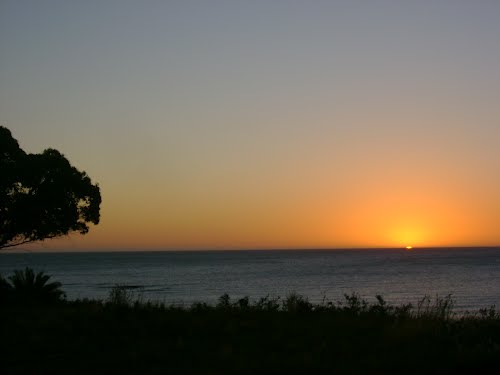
[265,124]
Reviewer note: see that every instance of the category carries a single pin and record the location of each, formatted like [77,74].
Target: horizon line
[146,250]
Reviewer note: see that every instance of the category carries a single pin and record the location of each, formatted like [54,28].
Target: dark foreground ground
[279,337]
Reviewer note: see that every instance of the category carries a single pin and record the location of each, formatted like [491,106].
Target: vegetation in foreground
[123,335]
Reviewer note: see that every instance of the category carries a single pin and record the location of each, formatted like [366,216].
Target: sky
[265,124]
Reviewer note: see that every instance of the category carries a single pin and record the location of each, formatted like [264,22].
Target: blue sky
[265,123]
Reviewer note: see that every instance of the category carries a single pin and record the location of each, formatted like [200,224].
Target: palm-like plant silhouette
[5,289]
[28,286]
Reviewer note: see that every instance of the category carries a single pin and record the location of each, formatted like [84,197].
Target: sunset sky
[265,124]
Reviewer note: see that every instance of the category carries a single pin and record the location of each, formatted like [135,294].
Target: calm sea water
[472,276]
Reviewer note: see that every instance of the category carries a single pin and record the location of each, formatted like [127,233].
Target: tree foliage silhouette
[42,195]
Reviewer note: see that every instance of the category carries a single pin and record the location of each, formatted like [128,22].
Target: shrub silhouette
[224,302]
[295,302]
[354,304]
[268,303]
[120,295]
[440,309]
[26,286]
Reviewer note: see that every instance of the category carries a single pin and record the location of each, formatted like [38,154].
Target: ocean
[470,275]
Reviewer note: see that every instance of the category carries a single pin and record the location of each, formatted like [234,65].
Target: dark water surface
[471,275]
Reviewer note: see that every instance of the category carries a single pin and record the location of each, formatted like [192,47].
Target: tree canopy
[42,195]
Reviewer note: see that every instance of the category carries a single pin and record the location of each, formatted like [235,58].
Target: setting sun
[409,247]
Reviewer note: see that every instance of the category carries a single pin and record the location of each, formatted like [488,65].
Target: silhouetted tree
[41,195]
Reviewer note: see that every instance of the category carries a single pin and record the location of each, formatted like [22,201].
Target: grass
[123,335]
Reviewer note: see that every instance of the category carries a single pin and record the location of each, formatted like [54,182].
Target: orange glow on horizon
[357,212]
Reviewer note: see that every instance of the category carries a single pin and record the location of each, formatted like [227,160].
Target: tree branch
[26,241]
